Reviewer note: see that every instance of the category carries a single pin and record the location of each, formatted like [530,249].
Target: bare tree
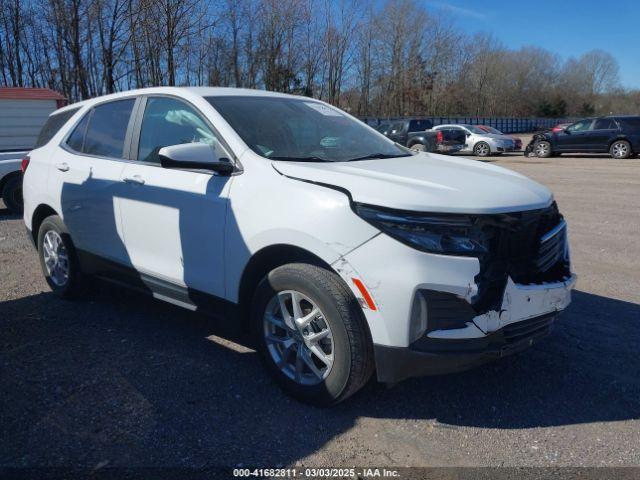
[393,57]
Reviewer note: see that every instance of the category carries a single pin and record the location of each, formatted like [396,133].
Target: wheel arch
[618,138]
[265,260]
[486,142]
[41,212]
[7,177]
[415,140]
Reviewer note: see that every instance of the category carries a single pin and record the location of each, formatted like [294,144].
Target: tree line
[389,58]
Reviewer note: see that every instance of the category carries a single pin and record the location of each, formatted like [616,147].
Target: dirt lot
[120,380]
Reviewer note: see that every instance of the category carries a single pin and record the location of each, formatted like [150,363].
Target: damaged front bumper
[454,355]
[526,315]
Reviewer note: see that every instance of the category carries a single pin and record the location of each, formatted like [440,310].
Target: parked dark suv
[616,135]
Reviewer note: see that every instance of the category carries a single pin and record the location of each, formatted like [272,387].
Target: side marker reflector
[365,293]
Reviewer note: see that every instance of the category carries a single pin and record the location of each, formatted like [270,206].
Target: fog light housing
[419,313]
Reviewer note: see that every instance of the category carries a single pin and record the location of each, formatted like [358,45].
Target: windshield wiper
[300,159]
[378,156]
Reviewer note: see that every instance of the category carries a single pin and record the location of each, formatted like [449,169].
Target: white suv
[341,251]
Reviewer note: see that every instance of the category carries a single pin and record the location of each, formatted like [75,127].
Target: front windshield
[301,130]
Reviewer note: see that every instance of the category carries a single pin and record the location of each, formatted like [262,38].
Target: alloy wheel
[620,149]
[298,337]
[482,149]
[56,258]
[542,149]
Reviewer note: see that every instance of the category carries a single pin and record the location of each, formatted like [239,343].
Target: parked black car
[416,134]
[617,135]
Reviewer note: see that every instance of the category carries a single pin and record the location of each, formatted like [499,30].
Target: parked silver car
[482,143]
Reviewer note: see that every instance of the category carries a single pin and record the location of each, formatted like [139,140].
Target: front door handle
[136,180]
[63,167]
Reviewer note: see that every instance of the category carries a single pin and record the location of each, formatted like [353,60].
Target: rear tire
[59,260]
[620,149]
[418,147]
[542,149]
[285,346]
[12,193]
[482,149]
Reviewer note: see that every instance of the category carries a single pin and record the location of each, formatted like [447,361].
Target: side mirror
[195,156]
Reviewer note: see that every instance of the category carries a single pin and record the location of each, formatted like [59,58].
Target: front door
[173,220]
[574,137]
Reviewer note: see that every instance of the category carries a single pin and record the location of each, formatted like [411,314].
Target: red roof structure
[24,93]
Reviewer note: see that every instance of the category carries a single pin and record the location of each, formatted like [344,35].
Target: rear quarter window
[53,125]
[632,123]
[76,139]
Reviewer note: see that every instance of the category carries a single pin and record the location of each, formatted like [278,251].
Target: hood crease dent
[426,183]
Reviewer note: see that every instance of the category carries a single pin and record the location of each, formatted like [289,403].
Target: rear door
[86,172]
[173,220]
[600,136]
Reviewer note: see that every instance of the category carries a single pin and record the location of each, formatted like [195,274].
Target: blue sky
[566,27]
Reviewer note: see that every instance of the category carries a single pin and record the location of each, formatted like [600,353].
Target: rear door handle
[136,180]
[63,167]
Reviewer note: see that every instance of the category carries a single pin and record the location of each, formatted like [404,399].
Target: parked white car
[342,252]
[11,180]
[480,142]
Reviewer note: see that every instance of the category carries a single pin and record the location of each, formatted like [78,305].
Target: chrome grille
[553,247]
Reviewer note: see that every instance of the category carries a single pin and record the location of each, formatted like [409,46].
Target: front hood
[426,182]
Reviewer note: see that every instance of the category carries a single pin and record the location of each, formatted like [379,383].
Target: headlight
[448,234]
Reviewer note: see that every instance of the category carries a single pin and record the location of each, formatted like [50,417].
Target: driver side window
[580,126]
[169,121]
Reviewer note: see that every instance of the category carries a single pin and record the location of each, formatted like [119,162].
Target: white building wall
[21,121]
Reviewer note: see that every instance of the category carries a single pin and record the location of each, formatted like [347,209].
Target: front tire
[58,259]
[542,149]
[482,149]
[312,334]
[620,149]
[12,193]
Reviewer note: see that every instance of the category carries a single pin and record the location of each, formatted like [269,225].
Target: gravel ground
[120,380]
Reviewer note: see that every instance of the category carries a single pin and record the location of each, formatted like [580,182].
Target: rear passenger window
[53,125]
[605,124]
[108,128]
